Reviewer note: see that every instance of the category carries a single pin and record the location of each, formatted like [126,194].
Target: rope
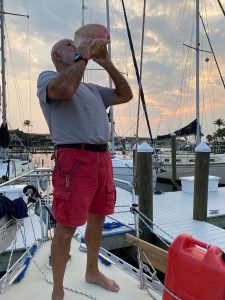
[39,268]
[154,276]
[23,234]
[18,96]
[141,65]
[210,45]
[9,263]
[143,267]
[112,225]
[143,217]
[136,70]
[66,288]
[139,92]
[176,184]
[161,239]
[51,282]
[221,6]
[32,225]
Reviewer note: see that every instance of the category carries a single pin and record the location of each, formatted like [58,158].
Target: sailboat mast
[83,8]
[198,134]
[3,64]
[110,84]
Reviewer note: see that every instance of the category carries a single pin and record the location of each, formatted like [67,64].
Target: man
[82,177]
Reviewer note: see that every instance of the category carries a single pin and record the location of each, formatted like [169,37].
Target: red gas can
[195,270]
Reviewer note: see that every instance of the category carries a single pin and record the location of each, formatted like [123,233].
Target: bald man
[82,178]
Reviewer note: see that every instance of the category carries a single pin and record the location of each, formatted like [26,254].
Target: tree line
[218,137]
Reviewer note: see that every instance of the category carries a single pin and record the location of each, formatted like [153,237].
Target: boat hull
[186,167]
[123,170]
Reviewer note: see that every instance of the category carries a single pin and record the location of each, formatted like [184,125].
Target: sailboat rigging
[44,250]
[198,135]
[221,77]
[137,72]
[10,167]
[111,116]
[39,272]
[221,6]
[186,161]
[4,138]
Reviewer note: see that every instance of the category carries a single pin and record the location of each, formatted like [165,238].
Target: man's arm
[122,92]
[70,73]
[64,86]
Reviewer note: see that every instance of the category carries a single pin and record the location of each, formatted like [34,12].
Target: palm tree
[219,122]
[209,138]
[221,133]
[28,124]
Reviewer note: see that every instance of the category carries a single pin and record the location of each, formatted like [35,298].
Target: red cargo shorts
[83,184]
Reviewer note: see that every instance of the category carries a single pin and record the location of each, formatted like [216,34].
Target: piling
[145,187]
[173,156]
[123,143]
[202,159]
[134,149]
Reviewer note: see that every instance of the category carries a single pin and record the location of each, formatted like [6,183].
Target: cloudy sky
[168,75]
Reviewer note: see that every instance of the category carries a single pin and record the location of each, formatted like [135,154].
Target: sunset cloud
[168,74]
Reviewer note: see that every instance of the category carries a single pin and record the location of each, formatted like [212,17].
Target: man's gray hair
[58,45]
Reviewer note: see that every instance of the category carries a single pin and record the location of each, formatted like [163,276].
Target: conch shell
[96,33]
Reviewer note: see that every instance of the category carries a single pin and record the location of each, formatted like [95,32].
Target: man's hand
[90,38]
[102,57]
[90,48]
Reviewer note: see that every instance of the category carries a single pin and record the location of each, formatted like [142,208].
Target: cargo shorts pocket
[61,199]
[110,196]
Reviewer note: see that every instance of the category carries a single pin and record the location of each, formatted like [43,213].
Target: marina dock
[172,215]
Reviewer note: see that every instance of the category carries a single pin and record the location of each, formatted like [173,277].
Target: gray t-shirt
[82,119]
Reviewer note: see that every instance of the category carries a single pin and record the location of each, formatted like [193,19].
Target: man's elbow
[120,98]
[128,96]
[131,96]
[68,92]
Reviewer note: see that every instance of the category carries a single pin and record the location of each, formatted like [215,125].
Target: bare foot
[103,281]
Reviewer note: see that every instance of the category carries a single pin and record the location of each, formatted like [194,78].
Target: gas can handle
[201,244]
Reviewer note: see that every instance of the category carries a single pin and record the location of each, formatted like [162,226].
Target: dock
[172,215]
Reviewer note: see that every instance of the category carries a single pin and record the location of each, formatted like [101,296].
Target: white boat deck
[173,211]
[32,227]
[34,286]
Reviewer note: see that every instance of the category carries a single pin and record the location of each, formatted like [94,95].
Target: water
[43,160]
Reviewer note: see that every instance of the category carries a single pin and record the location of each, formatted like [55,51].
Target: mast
[4,133]
[83,8]
[111,118]
[198,134]
[3,65]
